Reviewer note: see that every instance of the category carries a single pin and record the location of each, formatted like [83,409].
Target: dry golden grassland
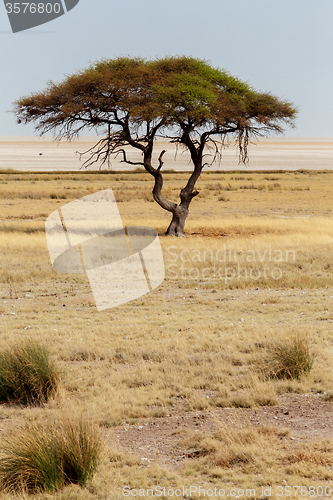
[255,268]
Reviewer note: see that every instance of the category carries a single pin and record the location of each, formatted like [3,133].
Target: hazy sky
[281,46]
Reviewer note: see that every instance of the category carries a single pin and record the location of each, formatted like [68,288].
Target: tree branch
[125,160]
[160,160]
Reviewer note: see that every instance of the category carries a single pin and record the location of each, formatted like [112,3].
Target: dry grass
[243,451]
[195,340]
[46,458]
[243,447]
[289,360]
[27,375]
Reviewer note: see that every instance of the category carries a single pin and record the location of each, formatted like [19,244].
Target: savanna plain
[220,378]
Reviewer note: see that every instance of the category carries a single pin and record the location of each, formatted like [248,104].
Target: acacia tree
[131,102]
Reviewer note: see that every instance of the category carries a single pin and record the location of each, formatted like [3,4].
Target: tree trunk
[176,227]
[180,213]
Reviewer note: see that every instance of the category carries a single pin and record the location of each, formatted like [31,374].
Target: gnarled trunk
[176,227]
[179,212]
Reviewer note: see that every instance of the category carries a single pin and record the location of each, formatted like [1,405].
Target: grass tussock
[290,359]
[27,375]
[47,458]
[318,454]
[229,447]
[244,451]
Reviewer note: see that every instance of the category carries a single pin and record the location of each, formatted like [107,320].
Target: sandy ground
[307,417]
[43,154]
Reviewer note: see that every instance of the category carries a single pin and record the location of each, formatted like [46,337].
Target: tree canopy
[132,101]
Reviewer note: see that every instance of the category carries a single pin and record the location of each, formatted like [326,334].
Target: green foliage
[27,375]
[173,92]
[47,458]
[290,360]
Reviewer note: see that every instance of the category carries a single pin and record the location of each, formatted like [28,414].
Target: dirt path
[306,416]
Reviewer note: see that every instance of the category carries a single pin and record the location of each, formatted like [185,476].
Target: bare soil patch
[306,416]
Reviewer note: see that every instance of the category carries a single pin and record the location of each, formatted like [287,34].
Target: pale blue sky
[282,46]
